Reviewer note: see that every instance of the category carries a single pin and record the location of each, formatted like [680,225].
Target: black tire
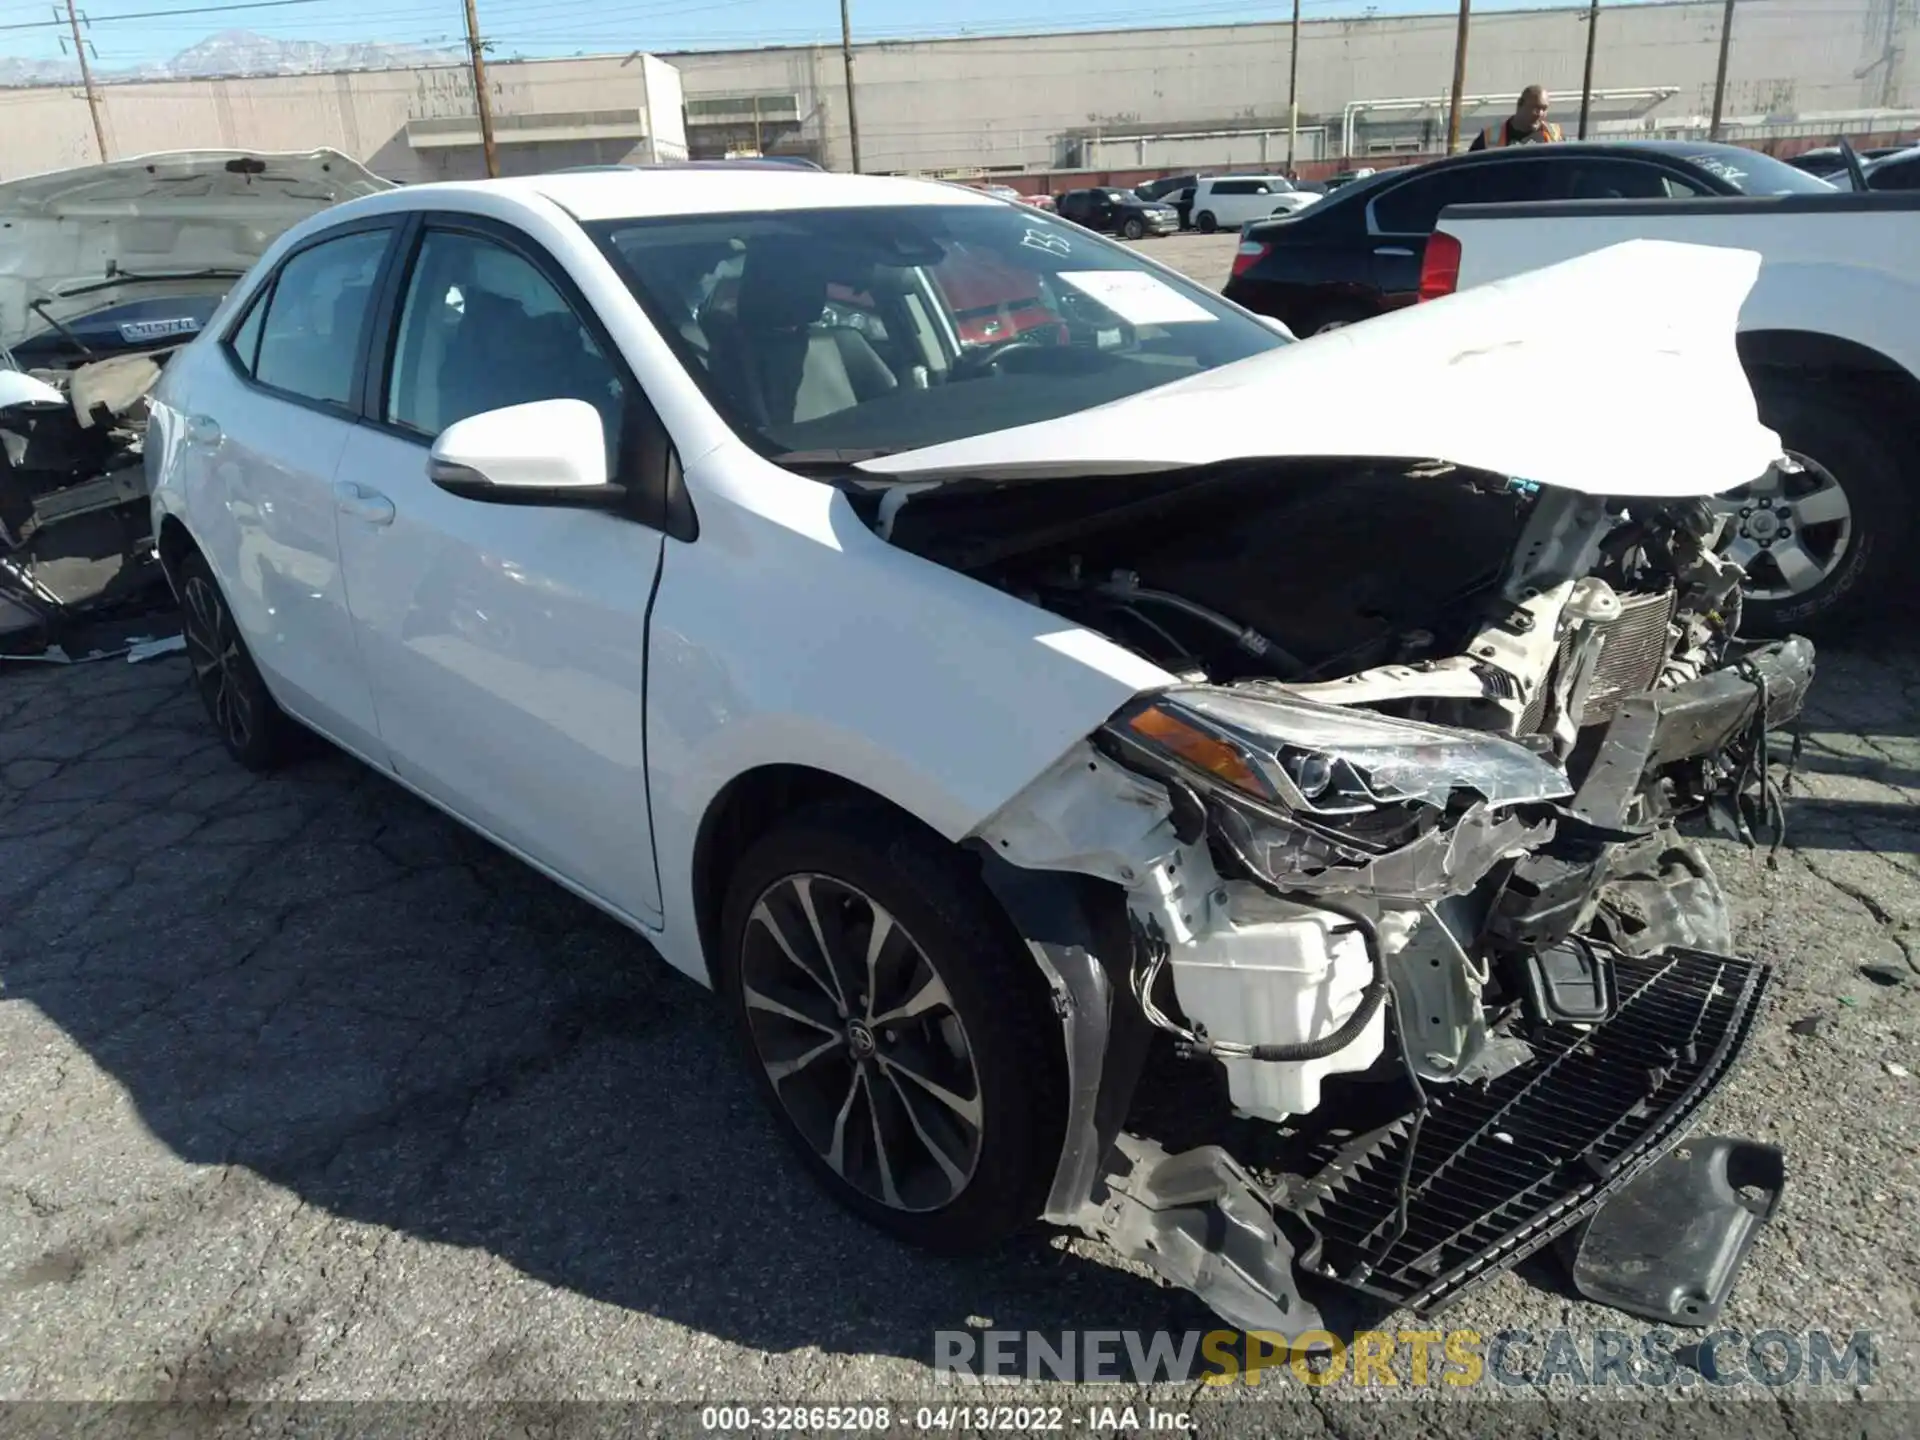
[1205,223]
[254,730]
[938,902]
[1865,448]
[1134,229]
[1337,318]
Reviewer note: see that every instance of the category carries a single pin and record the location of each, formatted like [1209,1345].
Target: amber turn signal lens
[1198,748]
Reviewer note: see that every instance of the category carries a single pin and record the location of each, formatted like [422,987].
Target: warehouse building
[1112,100]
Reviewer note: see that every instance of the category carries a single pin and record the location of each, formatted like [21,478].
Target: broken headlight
[1326,762]
[1316,797]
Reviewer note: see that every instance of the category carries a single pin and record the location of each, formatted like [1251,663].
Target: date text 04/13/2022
[875,1419]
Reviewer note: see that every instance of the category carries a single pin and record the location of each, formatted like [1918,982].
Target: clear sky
[565,27]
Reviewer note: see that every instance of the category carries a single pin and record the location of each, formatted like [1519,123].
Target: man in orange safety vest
[1528,125]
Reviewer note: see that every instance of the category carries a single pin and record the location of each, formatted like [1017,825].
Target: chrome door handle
[1399,250]
[203,429]
[362,504]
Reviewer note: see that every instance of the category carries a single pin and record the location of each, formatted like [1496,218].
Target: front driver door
[505,644]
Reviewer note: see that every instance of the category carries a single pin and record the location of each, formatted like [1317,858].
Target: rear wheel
[896,1027]
[252,727]
[1337,318]
[1820,544]
[1205,223]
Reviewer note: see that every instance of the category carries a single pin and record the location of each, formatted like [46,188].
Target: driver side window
[481,329]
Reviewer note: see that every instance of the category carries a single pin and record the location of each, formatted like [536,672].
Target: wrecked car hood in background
[80,240]
[1614,373]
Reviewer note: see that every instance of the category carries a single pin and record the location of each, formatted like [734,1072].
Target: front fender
[790,634]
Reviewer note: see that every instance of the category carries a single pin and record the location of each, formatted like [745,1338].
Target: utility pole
[846,58]
[1720,75]
[1586,83]
[1459,80]
[1293,88]
[480,95]
[86,79]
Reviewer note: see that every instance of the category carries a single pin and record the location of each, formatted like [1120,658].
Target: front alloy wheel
[898,1029]
[859,1038]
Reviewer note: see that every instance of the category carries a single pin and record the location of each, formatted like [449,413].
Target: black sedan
[1357,253]
[1119,212]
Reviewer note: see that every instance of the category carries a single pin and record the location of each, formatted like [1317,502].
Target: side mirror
[549,452]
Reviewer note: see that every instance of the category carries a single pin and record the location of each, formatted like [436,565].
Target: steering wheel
[985,359]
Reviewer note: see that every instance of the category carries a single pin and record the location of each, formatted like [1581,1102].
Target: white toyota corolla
[992,661]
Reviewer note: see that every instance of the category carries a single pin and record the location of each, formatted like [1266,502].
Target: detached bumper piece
[1422,1211]
[1669,1246]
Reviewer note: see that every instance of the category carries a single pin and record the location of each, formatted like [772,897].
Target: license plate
[132,330]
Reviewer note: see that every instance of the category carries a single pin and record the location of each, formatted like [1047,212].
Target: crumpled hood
[154,215]
[1614,373]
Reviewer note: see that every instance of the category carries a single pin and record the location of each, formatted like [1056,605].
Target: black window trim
[660,501]
[348,410]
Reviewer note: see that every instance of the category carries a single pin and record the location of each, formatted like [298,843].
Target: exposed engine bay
[77,558]
[107,270]
[1399,855]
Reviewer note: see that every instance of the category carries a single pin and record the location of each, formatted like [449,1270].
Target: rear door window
[1601,178]
[1413,207]
[1901,174]
[309,337]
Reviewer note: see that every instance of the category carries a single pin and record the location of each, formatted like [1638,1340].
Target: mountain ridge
[236,53]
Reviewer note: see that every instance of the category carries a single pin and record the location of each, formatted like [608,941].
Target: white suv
[1222,202]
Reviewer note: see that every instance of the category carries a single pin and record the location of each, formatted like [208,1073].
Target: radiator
[1630,658]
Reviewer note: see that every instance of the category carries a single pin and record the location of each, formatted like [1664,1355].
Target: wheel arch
[1811,352]
[175,543]
[744,809]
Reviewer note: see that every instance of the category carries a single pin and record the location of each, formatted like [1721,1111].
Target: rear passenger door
[507,644]
[268,418]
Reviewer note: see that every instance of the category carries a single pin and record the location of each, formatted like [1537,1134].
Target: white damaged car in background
[105,270]
[1117,765]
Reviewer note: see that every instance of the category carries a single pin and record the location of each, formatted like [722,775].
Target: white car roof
[667,190]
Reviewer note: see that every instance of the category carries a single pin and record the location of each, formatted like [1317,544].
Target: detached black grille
[1631,655]
[1500,1170]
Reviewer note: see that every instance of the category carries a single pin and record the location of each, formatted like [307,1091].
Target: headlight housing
[1320,797]
[1326,762]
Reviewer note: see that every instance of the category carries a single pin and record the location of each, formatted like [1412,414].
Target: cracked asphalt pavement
[306,1093]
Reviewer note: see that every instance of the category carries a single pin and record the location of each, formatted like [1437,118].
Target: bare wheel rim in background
[1788,532]
[214,654]
[861,1043]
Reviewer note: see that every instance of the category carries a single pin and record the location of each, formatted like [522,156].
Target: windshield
[844,334]
[1752,173]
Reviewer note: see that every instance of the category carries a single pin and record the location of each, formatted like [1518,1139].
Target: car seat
[775,357]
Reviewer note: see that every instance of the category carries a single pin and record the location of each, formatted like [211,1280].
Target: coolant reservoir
[1263,972]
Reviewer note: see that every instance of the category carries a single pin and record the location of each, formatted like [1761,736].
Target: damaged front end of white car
[1386,961]
[105,272]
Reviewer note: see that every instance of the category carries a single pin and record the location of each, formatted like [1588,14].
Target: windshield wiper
[39,307]
[117,277]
